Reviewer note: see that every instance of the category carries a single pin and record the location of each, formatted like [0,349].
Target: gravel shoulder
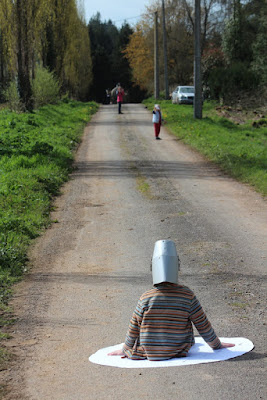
[88,270]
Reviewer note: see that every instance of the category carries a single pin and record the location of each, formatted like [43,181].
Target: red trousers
[157,128]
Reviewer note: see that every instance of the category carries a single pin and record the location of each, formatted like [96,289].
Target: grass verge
[36,154]
[240,150]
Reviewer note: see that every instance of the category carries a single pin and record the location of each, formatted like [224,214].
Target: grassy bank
[239,149]
[36,153]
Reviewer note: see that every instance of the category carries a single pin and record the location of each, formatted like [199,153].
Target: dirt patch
[240,115]
[248,107]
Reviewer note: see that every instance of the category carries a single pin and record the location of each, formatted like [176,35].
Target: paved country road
[88,270]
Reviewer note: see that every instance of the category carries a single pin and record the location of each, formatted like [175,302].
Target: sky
[116,10]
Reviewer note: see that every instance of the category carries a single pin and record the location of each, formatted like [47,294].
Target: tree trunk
[24,83]
[1,63]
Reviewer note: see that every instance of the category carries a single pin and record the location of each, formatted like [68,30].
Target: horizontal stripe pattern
[161,325]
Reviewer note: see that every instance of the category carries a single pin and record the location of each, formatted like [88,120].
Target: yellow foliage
[140,57]
[24,27]
[74,64]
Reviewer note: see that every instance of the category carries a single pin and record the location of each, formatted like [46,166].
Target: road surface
[88,270]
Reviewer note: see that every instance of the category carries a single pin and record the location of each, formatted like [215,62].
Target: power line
[127,19]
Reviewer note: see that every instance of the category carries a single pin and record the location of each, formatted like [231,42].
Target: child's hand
[225,345]
[116,353]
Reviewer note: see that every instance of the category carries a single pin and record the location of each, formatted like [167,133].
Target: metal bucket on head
[165,262]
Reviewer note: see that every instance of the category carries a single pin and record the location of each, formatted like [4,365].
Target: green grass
[143,186]
[36,154]
[240,150]
[239,305]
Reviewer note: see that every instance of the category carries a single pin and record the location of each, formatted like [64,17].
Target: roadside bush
[228,82]
[45,88]
[11,95]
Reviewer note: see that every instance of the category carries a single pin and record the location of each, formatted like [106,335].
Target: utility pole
[165,53]
[156,57]
[197,69]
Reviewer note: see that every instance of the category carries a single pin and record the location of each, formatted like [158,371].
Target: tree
[239,64]
[236,40]
[241,30]
[68,49]
[30,19]
[103,36]
[22,22]
[179,35]
[109,64]
[7,44]
[140,57]
[213,60]
[23,40]
[77,63]
[120,65]
[259,63]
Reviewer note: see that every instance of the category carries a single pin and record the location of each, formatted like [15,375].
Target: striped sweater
[161,325]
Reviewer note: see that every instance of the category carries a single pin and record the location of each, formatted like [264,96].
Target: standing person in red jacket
[120,94]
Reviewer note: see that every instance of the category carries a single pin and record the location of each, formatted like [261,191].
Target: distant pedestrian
[120,94]
[107,96]
[157,120]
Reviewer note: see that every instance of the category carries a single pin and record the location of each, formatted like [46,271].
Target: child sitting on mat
[161,326]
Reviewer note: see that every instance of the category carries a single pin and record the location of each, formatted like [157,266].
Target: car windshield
[187,90]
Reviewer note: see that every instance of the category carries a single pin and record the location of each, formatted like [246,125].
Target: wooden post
[197,69]
[156,58]
[165,53]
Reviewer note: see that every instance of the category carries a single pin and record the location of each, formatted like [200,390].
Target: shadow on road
[157,169]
